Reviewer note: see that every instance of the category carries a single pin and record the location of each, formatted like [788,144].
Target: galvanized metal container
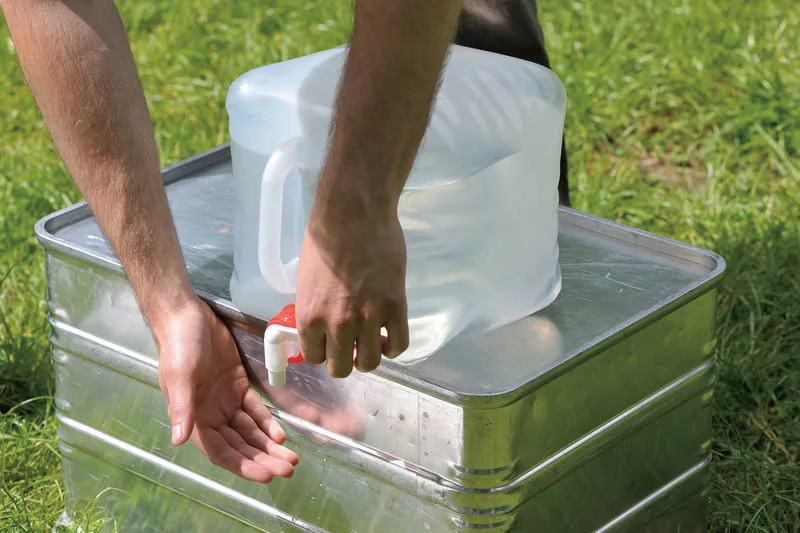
[592,415]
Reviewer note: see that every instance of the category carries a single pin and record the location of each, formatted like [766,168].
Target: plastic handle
[280,275]
[281,329]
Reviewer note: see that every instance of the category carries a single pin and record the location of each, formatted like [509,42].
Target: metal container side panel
[606,480]
[123,487]
[325,494]
[688,516]
[444,415]
[483,448]
[98,302]
[111,498]
[475,447]
[99,307]
[130,502]
[366,410]
[614,278]
[679,506]
[86,371]
[501,444]
[612,380]
[647,417]
[626,472]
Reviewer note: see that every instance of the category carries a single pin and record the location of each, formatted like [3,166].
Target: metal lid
[614,277]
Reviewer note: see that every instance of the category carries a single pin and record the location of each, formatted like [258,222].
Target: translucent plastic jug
[479,210]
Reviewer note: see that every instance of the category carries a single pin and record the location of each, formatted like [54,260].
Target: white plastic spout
[275,356]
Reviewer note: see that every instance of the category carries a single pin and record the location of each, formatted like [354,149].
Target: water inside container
[479,210]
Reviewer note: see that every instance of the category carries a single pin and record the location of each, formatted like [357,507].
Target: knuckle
[340,320]
[370,313]
[307,319]
[373,318]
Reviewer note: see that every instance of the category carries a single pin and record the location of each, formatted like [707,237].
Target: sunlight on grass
[682,120]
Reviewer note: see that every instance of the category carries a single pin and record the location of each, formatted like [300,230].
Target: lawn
[683,120]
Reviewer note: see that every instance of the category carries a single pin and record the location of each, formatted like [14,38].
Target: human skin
[77,61]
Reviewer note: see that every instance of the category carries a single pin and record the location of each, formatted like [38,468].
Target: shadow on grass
[756,477]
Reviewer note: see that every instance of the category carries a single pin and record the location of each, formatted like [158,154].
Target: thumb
[180,401]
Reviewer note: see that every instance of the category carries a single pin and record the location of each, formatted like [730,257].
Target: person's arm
[396,54]
[351,277]
[77,61]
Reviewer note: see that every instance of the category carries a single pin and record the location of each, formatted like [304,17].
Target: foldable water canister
[590,415]
[479,210]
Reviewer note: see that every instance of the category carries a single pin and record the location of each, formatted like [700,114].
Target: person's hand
[350,284]
[209,397]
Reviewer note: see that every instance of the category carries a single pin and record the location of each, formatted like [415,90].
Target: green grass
[682,120]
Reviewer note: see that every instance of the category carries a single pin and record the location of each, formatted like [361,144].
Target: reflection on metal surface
[159,467]
[149,491]
[666,492]
[602,398]
[641,440]
[614,279]
[453,441]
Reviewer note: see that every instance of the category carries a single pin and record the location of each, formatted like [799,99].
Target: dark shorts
[509,27]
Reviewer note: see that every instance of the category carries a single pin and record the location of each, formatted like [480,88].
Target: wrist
[355,198]
[351,216]
[163,308]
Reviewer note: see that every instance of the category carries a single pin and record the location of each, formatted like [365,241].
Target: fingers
[224,456]
[179,393]
[339,350]
[226,451]
[259,413]
[397,330]
[330,342]
[312,343]
[397,339]
[273,464]
[245,423]
[356,342]
[282,452]
[245,426]
[368,347]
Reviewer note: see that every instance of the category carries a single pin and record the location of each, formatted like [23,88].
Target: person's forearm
[395,59]
[77,61]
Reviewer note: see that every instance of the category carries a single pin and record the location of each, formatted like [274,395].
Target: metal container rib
[612,381]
